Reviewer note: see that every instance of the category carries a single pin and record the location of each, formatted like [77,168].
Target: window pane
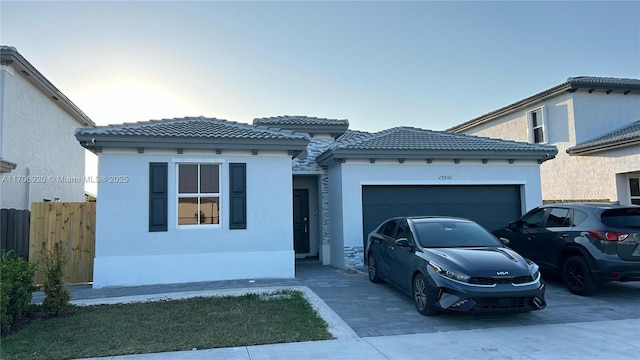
[188,179]
[538,135]
[209,179]
[558,217]
[188,211]
[634,186]
[579,217]
[535,119]
[535,218]
[209,210]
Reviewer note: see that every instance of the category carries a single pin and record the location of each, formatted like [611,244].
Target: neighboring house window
[536,127]
[198,194]
[634,190]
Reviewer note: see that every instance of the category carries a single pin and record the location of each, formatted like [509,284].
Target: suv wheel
[577,276]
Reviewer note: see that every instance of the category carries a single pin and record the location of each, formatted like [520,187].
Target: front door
[301,221]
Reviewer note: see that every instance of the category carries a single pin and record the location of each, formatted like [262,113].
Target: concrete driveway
[380,310]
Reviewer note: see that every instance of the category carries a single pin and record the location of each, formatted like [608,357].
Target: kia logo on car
[502,273]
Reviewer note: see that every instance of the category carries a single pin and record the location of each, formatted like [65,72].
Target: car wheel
[421,296]
[373,269]
[577,276]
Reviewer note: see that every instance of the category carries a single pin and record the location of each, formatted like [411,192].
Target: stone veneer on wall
[353,256]
[316,147]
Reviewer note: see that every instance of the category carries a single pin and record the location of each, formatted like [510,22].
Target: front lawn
[201,323]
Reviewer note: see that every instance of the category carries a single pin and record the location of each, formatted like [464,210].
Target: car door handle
[562,236]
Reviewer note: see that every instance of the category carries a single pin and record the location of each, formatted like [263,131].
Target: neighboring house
[595,124]
[201,199]
[39,157]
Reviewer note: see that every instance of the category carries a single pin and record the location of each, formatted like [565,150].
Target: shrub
[16,286]
[53,264]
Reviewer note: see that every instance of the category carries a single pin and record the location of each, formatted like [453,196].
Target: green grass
[201,323]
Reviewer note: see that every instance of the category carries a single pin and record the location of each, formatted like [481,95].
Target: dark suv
[587,244]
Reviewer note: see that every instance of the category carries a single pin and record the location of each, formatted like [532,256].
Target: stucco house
[595,124]
[200,199]
[39,157]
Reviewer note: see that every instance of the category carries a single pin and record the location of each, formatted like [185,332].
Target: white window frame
[182,161]
[541,111]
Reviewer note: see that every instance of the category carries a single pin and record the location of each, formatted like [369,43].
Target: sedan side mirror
[403,242]
[514,226]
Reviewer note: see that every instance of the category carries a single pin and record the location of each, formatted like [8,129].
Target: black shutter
[237,196]
[158,197]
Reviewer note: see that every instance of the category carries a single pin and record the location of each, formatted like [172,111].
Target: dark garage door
[492,206]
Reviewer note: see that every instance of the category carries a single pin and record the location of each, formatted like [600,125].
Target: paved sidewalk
[597,340]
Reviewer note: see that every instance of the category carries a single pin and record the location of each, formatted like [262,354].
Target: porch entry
[301,244]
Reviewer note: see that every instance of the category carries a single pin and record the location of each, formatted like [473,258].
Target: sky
[425,64]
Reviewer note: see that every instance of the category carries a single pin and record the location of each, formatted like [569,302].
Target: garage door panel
[492,206]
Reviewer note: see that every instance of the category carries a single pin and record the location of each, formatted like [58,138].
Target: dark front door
[301,221]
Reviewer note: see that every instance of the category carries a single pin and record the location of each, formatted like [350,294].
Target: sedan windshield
[441,234]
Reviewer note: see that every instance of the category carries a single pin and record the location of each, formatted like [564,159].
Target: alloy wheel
[373,269]
[576,275]
[422,296]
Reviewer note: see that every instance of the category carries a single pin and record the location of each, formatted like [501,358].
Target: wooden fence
[14,231]
[74,225]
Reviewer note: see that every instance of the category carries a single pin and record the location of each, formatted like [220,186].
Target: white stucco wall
[598,113]
[572,118]
[38,135]
[346,221]
[128,254]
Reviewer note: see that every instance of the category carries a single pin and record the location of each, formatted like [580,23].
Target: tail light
[608,235]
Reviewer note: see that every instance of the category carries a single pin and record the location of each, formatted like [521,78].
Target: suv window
[559,217]
[622,218]
[579,216]
[534,218]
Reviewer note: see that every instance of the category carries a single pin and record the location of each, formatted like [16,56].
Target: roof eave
[332,155]
[12,56]
[597,148]
[92,142]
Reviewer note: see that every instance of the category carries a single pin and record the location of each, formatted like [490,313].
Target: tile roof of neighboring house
[307,124]
[192,132]
[589,83]
[10,56]
[624,136]
[413,143]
